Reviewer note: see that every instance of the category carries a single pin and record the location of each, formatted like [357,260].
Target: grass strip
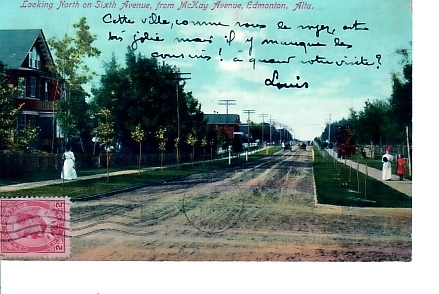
[338,184]
[84,189]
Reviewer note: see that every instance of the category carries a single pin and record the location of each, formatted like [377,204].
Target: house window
[46,90]
[33,86]
[21,84]
[34,59]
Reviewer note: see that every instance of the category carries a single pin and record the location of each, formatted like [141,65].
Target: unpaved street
[263,211]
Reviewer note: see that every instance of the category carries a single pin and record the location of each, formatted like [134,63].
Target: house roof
[221,119]
[16,44]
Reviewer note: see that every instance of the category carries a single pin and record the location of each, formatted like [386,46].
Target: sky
[281,62]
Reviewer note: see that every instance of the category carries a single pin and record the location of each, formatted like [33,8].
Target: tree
[191,139]
[25,136]
[161,139]
[8,113]
[105,133]
[345,141]
[401,97]
[72,73]
[204,143]
[137,136]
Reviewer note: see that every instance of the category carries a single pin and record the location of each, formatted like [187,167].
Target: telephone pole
[227,102]
[177,77]
[263,115]
[248,111]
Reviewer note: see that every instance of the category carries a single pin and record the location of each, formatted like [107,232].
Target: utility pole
[263,115]
[177,77]
[280,134]
[248,111]
[227,102]
[329,131]
[270,131]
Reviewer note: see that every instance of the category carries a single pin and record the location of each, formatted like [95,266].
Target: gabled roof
[16,44]
[221,119]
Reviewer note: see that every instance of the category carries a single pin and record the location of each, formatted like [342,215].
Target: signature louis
[275,76]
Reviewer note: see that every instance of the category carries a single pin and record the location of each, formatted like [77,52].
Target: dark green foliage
[384,122]
[8,113]
[144,93]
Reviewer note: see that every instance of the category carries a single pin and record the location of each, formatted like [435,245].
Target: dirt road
[263,211]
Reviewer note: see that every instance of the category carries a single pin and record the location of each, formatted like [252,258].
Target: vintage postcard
[219,131]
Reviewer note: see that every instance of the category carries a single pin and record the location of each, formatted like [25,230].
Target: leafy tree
[8,113]
[345,141]
[25,136]
[137,136]
[401,97]
[72,73]
[191,139]
[161,139]
[105,133]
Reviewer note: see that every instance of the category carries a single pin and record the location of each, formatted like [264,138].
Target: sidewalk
[401,186]
[31,185]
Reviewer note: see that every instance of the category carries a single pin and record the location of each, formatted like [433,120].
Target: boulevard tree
[72,73]
[345,141]
[191,140]
[138,134]
[105,133]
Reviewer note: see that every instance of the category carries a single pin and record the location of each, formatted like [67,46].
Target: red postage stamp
[35,227]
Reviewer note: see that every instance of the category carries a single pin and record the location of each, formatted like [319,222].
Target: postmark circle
[215,210]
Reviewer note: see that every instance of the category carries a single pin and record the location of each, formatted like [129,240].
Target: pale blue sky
[332,89]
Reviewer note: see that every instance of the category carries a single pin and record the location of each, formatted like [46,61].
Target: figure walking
[387,166]
[68,172]
[400,167]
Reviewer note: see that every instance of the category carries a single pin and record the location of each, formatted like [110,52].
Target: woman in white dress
[387,167]
[68,172]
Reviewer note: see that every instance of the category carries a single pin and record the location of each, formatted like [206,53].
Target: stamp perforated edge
[40,255]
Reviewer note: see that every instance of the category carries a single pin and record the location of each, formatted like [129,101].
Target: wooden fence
[14,163]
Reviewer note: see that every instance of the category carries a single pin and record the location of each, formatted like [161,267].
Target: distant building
[26,54]
[229,123]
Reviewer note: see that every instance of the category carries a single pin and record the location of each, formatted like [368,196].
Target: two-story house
[26,54]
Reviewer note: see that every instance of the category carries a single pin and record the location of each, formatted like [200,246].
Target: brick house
[229,123]
[26,54]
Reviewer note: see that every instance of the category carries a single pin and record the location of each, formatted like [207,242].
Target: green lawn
[338,184]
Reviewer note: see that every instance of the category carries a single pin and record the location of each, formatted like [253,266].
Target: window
[21,84]
[33,86]
[34,59]
[46,90]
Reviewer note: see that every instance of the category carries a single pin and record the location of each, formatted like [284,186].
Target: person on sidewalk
[400,167]
[68,172]
[387,166]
